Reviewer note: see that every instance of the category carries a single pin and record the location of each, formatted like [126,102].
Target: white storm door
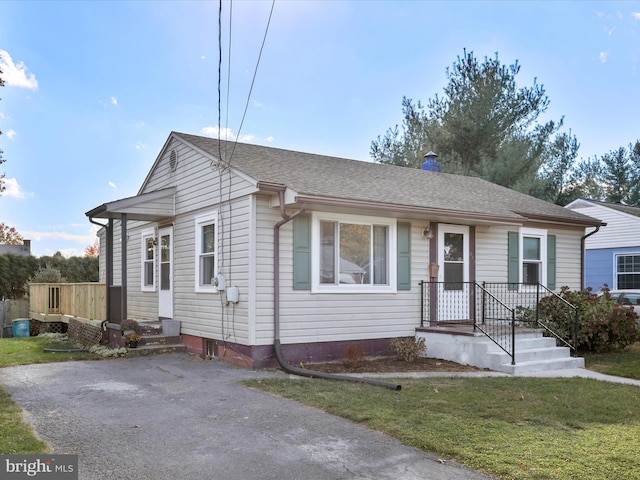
[453,274]
[165,260]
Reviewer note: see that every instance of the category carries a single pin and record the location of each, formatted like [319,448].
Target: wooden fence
[55,302]
[10,310]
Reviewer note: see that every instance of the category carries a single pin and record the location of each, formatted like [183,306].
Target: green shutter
[551,262]
[302,252]
[404,256]
[514,261]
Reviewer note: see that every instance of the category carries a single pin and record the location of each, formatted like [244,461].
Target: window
[628,272]
[353,253]
[206,259]
[533,256]
[148,276]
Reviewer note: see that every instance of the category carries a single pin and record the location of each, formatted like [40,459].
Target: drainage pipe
[303,372]
[582,255]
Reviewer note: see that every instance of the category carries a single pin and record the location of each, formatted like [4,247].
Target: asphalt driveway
[176,417]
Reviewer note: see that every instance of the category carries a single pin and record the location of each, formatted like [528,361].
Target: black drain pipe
[582,255]
[303,372]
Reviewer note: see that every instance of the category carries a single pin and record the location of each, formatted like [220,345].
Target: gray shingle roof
[353,180]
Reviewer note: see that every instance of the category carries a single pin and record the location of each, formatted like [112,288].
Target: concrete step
[542,365]
[534,352]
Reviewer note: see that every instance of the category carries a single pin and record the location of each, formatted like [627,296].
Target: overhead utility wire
[255,72]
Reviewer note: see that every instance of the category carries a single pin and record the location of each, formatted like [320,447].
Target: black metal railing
[496,309]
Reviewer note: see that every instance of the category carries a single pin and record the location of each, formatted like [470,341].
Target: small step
[543,365]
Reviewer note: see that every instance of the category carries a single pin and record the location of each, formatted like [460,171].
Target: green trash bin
[21,327]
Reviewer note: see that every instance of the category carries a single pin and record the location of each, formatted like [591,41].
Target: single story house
[612,252]
[253,248]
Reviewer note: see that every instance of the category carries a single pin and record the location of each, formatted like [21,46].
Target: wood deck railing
[55,302]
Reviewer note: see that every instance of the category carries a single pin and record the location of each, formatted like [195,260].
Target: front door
[165,295]
[453,274]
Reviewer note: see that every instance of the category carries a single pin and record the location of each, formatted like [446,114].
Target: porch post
[109,266]
[123,265]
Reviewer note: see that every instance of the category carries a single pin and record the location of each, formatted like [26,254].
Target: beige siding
[324,317]
[201,188]
[492,261]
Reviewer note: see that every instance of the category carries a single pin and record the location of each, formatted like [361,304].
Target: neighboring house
[271,247]
[612,254]
[24,249]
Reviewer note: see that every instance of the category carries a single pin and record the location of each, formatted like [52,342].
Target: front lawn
[513,428]
[622,364]
[27,350]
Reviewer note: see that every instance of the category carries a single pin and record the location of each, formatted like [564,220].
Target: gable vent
[173,160]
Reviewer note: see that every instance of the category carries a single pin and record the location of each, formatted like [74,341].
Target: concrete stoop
[534,352]
[153,340]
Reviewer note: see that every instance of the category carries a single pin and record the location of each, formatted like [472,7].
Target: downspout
[582,255]
[303,372]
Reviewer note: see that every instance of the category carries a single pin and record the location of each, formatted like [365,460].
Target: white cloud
[87,238]
[16,75]
[2,117]
[113,185]
[603,56]
[12,189]
[227,134]
[636,15]
[258,104]
[114,101]
[216,131]
[11,133]
[140,146]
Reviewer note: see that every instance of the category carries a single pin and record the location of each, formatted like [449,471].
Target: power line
[255,72]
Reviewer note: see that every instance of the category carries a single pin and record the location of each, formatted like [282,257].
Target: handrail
[495,336]
[494,310]
[573,347]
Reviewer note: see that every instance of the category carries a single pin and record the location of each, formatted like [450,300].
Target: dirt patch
[393,364]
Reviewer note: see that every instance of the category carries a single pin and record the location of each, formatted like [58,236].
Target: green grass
[514,428]
[28,350]
[16,435]
[622,364]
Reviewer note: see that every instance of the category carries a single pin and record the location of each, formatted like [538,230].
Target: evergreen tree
[483,125]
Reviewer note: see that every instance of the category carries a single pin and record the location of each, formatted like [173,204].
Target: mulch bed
[392,364]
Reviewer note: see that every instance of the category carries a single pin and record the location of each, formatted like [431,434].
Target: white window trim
[542,235]
[391,224]
[615,266]
[201,220]
[145,234]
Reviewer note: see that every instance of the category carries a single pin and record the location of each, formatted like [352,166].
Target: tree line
[17,271]
[485,125]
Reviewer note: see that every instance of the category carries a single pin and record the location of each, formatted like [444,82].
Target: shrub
[354,356]
[408,349]
[603,324]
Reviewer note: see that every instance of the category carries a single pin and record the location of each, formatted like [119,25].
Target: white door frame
[165,272]
[453,304]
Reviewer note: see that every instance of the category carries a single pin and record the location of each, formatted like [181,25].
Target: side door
[165,267]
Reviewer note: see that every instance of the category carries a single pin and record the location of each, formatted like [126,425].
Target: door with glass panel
[165,259]
[453,274]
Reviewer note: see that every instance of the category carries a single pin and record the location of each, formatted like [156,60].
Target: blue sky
[93,88]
